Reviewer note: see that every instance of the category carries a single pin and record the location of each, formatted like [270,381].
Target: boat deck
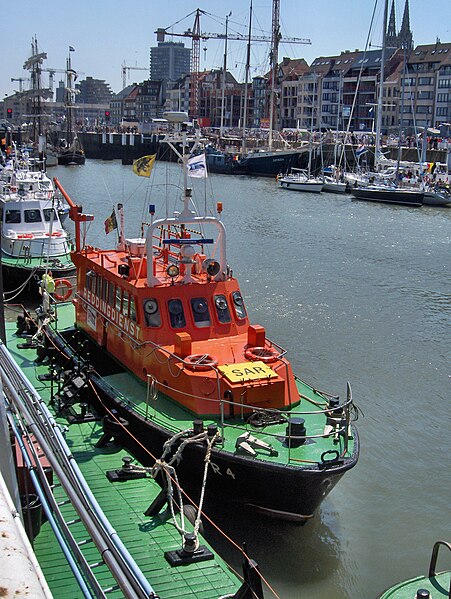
[172,417]
[124,504]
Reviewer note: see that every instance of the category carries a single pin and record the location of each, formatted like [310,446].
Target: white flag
[197,167]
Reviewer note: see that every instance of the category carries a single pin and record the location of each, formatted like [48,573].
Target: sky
[108,33]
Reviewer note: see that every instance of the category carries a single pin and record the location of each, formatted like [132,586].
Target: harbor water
[355,291]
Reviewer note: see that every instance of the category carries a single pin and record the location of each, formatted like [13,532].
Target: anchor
[246,442]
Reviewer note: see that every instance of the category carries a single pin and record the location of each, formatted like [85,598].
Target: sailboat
[388,192]
[72,153]
[174,357]
[301,179]
[266,161]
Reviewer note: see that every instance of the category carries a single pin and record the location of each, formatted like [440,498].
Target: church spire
[391,30]
[391,38]
[405,34]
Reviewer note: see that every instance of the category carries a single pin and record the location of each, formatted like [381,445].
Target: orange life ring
[264,354]
[200,362]
[63,296]
[54,234]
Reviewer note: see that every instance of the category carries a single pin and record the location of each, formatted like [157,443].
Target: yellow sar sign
[249,371]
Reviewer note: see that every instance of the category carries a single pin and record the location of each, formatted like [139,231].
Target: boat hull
[270,164]
[71,158]
[388,196]
[273,489]
[309,186]
[432,198]
[335,187]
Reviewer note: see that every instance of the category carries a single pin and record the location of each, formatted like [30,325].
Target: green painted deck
[124,504]
[438,587]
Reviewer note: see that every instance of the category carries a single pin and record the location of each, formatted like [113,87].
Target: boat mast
[381,87]
[274,63]
[246,81]
[68,101]
[400,118]
[224,75]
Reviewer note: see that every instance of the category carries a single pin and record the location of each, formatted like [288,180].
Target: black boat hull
[16,276]
[71,158]
[389,196]
[270,164]
[280,491]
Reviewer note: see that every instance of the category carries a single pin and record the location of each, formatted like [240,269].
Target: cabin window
[152,312]
[105,290]
[32,216]
[132,309]
[90,280]
[238,304]
[118,299]
[48,215]
[201,313]
[111,294]
[222,309]
[176,314]
[12,216]
[125,303]
[98,286]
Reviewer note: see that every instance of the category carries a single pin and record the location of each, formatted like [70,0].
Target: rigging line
[358,84]
[146,450]
[126,431]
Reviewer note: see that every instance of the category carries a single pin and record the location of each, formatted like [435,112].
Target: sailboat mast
[224,75]
[381,87]
[246,80]
[274,60]
[69,101]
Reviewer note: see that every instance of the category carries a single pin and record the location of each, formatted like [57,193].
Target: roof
[124,93]
[437,52]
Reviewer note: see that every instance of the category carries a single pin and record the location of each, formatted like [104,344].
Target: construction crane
[125,68]
[196,35]
[21,81]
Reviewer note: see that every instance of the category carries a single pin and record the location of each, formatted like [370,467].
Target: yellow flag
[143,166]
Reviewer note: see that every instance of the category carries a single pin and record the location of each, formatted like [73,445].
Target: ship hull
[71,159]
[277,490]
[388,196]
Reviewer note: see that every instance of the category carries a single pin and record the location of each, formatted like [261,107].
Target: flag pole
[121,241]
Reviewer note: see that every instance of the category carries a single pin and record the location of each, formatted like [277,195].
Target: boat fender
[200,362]
[65,284]
[265,354]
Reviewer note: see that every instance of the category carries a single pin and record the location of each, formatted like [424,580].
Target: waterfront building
[178,94]
[210,99]
[259,100]
[169,61]
[117,104]
[427,86]
[288,73]
[93,91]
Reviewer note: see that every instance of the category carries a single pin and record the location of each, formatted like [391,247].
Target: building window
[425,81]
